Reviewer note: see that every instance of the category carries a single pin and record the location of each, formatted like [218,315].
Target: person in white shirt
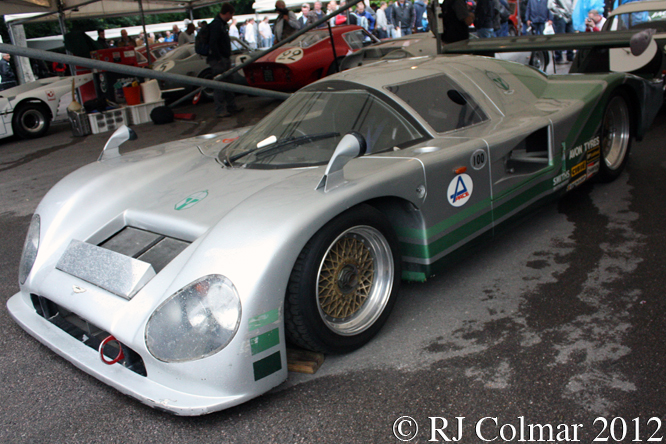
[265,33]
[186,36]
[233,32]
[251,34]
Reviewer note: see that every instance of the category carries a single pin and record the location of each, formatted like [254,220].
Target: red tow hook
[120,356]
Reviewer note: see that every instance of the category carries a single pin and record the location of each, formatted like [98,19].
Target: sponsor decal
[478,159]
[593,154]
[580,168]
[291,55]
[191,200]
[263,319]
[499,82]
[561,179]
[267,366]
[264,341]
[460,190]
[50,95]
[576,182]
[584,148]
[592,168]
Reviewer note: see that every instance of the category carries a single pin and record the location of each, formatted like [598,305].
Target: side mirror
[640,41]
[351,146]
[119,136]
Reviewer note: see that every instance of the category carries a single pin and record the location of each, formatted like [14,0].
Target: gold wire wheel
[355,280]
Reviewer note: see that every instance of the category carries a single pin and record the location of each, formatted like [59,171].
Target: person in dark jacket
[483,21]
[538,15]
[402,16]
[219,58]
[419,8]
[457,19]
[6,74]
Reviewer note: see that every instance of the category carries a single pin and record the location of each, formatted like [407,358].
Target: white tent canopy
[269,5]
[79,9]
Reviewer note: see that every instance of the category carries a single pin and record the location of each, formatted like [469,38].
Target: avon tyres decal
[460,190]
[590,145]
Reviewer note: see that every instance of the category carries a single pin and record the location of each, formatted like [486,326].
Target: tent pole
[145,34]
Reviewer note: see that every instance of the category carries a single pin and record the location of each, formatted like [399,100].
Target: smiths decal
[584,148]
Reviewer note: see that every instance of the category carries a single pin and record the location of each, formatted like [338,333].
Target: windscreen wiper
[282,143]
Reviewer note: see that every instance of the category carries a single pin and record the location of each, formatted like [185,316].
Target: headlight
[198,321]
[30,248]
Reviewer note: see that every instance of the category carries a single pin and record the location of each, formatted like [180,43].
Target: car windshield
[309,38]
[641,19]
[305,130]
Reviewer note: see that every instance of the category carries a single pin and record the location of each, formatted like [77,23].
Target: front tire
[31,120]
[614,138]
[344,283]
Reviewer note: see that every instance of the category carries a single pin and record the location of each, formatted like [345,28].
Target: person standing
[457,19]
[420,7]
[316,14]
[361,12]
[265,33]
[219,59]
[594,21]
[381,27]
[102,43]
[125,40]
[562,11]
[7,76]
[251,34]
[483,21]
[186,36]
[402,17]
[305,11]
[286,23]
[538,15]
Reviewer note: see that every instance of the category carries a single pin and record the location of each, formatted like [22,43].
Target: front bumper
[124,380]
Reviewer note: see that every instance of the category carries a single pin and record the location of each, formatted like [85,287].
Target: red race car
[308,58]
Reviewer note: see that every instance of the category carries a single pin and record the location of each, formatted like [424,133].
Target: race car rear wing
[638,41]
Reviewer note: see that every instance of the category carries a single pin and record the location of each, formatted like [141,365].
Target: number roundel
[290,55]
[478,159]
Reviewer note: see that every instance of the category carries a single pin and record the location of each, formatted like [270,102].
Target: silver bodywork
[251,224]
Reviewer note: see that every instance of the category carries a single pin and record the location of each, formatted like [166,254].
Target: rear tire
[31,120]
[614,138]
[207,93]
[344,283]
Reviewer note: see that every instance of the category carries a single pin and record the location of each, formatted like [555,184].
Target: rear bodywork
[307,59]
[55,93]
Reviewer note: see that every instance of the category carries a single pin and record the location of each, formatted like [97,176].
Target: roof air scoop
[351,146]
[120,136]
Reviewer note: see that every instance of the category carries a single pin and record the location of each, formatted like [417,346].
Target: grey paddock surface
[560,320]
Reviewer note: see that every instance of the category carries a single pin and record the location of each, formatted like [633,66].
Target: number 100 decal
[291,55]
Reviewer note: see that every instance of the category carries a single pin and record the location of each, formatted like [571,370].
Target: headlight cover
[197,321]
[30,248]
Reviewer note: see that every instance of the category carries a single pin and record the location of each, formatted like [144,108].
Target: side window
[441,102]
[383,128]
[354,39]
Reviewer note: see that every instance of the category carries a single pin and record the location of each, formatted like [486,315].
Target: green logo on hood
[191,200]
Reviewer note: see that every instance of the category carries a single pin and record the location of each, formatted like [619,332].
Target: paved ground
[560,321]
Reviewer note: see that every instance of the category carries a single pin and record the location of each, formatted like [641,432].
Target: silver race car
[177,274]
